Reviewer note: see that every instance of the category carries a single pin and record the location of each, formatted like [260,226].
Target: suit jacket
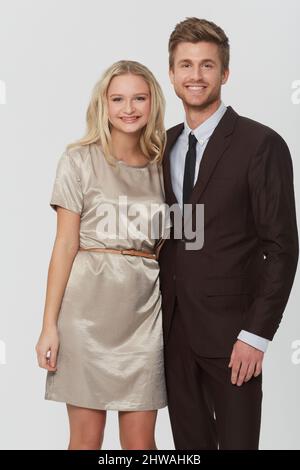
[242,277]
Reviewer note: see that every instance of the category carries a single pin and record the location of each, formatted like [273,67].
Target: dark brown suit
[240,279]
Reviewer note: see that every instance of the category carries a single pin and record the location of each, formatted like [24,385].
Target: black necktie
[189,169]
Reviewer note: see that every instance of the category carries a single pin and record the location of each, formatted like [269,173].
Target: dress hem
[138,407]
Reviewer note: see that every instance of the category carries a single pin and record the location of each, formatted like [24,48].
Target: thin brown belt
[144,254]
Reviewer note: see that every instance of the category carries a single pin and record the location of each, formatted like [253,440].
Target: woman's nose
[129,108]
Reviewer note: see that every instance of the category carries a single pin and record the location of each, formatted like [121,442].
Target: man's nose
[196,73]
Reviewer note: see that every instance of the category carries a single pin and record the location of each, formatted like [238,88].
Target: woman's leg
[86,428]
[137,429]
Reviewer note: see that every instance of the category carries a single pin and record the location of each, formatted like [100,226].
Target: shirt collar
[204,131]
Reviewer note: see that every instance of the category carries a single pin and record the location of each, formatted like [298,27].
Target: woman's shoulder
[84,157]
[78,154]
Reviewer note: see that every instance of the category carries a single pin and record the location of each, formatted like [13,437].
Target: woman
[101,340]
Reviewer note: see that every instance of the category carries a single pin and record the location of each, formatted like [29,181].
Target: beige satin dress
[110,326]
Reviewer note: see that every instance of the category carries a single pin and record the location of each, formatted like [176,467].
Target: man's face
[197,74]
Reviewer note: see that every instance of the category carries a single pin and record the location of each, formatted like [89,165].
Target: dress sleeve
[67,192]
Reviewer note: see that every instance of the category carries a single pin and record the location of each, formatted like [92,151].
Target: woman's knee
[86,428]
[132,443]
[137,430]
[90,439]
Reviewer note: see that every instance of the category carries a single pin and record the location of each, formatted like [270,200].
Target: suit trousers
[206,410]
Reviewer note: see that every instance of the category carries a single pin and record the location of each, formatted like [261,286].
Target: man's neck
[197,116]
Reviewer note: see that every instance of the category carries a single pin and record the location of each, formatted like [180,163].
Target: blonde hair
[153,135]
[195,30]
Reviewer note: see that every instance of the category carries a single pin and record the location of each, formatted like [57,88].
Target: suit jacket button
[174,277]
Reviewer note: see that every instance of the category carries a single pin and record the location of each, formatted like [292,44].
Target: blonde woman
[101,340]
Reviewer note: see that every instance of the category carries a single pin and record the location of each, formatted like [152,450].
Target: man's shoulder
[247,128]
[244,124]
[255,129]
[175,129]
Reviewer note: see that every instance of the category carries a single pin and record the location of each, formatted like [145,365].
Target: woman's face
[129,103]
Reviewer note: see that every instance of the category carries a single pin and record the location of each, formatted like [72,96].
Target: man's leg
[237,409]
[190,409]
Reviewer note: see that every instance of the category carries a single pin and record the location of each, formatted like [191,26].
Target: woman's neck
[126,147]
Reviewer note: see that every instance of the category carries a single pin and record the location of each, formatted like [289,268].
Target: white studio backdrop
[51,55]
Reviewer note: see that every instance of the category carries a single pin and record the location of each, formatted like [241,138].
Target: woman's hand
[48,343]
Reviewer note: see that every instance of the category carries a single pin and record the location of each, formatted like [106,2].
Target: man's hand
[245,362]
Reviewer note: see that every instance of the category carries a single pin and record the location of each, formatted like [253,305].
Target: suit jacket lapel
[216,147]
[173,135]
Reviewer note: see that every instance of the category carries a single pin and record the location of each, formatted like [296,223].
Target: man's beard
[212,98]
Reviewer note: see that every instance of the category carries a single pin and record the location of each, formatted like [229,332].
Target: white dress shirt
[177,162]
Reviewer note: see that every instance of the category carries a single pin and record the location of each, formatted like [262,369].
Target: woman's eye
[138,98]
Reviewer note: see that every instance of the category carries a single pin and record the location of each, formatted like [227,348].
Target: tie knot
[192,141]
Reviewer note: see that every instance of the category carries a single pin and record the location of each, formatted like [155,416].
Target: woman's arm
[64,251]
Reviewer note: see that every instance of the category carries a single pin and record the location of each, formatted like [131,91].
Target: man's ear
[225,76]
[171,75]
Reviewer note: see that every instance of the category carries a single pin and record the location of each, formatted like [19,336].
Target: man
[224,302]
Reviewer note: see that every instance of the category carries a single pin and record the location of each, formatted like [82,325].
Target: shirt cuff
[256,341]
